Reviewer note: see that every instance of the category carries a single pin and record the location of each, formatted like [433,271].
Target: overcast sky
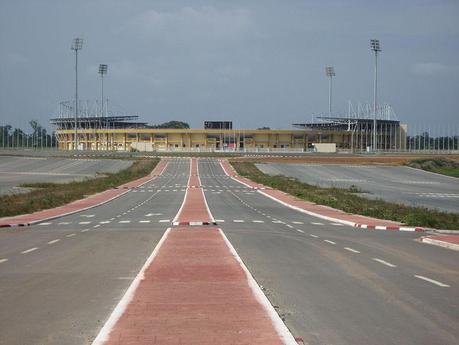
[257,63]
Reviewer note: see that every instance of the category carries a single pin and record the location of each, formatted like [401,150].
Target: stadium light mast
[77,45]
[103,69]
[330,72]
[375,46]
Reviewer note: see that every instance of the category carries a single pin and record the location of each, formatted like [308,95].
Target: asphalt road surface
[404,185]
[15,171]
[60,280]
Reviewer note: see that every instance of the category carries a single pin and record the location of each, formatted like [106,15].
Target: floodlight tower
[103,69]
[375,46]
[330,72]
[76,46]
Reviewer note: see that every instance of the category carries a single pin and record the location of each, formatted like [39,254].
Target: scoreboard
[218,124]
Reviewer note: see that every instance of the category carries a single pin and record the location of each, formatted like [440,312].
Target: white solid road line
[328,241]
[432,281]
[29,250]
[384,262]
[3,260]
[315,236]
[54,241]
[352,250]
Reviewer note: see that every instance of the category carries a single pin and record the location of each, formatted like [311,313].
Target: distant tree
[173,125]
[264,128]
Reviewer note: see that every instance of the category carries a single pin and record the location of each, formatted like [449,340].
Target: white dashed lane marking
[388,264]
[316,223]
[436,282]
[328,241]
[164,220]
[84,223]
[3,260]
[29,250]
[70,235]
[124,221]
[297,223]
[238,221]
[315,236]
[352,250]
[54,241]
[144,221]
[258,221]
[47,223]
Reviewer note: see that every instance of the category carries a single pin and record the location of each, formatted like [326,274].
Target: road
[15,171]
[404,185]
[332,284]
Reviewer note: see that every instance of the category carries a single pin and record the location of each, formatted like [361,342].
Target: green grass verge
[440,166]
[49,195]
[348,201]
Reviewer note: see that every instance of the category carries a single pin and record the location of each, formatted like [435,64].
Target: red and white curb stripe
[336,220]
[194,223]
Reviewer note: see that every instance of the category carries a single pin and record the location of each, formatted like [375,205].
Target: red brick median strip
[83,204]
[194,210]
[319,211]
[196,291]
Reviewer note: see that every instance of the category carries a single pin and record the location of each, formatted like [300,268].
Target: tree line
[38,137]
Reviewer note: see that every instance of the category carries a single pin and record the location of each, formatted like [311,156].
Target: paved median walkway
[194,290]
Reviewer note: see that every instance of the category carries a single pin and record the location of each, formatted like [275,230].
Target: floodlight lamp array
[375,46]
[330,71]
[77,44]
[103,69]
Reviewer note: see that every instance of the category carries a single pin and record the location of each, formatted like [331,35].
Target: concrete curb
[439,243]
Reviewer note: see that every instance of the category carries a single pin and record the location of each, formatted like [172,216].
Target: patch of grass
[49,195]
[346,200]
[440,166]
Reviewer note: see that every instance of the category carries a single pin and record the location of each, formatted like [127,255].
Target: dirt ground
[347,159]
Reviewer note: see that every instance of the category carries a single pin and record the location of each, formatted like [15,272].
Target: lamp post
[76,46]
[103,69]
[375,46]
[330,72]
